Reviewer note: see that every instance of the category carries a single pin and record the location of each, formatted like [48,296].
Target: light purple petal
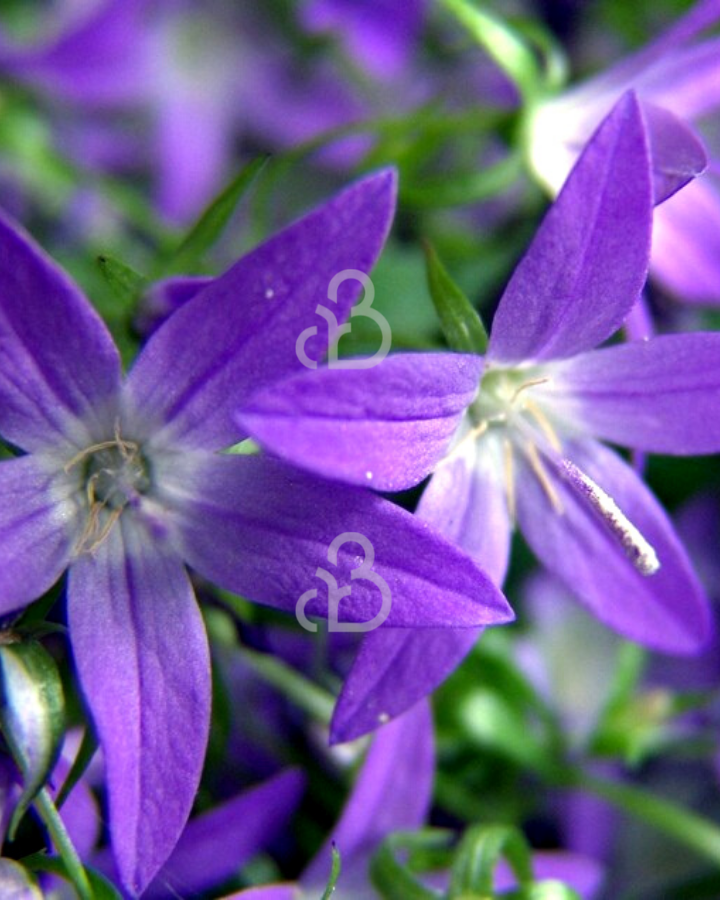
[165,297]
[141,652]
[268,892]
[38,529]
[686,242]
[687,82]
[667,611]
[393,792]
[385,427]
[661,395]
[240,333]
[583,874]
[677,153]
[394,668]
[588,261]
[216,844]
[257,527]
[58,362]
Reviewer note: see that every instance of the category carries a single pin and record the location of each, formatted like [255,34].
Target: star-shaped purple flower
[123,481]
[513,437]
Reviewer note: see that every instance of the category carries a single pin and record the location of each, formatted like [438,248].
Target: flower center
[114,474]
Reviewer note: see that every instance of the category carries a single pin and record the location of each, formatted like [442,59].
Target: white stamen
[640,553]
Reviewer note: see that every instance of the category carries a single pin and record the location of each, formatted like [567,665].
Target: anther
[640,553]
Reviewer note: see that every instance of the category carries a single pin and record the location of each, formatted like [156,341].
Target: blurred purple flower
[123,483]
[676,75]
[524,444]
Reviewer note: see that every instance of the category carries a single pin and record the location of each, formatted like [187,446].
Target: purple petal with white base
[141,652]
[259,528]
[385,427]
[58,363]
[240,332]
[666,610]
[38,520]
[677,153]
[588,261]
[661,395]
[395,668]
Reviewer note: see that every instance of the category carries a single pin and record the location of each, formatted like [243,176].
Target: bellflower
[515,436]
[122,482]
[676,75]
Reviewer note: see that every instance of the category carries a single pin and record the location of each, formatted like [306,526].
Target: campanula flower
[676,75]
[122,482]
[514,437]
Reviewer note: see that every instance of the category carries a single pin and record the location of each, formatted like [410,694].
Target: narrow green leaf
[125,283]
[334,874]
[502,43]
[208,228]
[460,322]
[481,849]
[84,755]
[32,716]
[394,880]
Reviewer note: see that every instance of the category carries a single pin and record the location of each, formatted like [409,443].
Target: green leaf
[84,755]
[208,228]
[396,881]
[481,849]
[509,51]
[32,716]
[460,322]
[125,283]
[334,874]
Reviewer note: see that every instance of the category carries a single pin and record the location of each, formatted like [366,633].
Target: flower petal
[394,668]
[385,427]
[393,792]
[141,652]
[217,843]
[240,333]
[288,891]
[257,527]
[661,395]
[667,611]
[677,153]
[38,530]
[587,263]
[58,363]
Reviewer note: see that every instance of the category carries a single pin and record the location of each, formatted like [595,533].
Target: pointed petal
[240,333]
[661,395]
[385,427]
[667,611]
[677,153]
[394,668]
[58,362]
[38,530]
[216,844]
[261,529]
[141,653]
[392,792]
[686,242]
[588,261]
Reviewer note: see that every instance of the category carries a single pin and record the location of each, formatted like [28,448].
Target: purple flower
[513,437]
[676,75]
[123,482]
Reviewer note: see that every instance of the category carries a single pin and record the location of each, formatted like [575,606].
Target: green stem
[695,832]
[64,846]
[307,695]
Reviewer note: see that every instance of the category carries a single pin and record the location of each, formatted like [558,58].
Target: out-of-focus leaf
[125,283]
[396,881]
[481,849]
[460,322]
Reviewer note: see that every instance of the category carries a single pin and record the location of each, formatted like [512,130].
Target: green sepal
[187,257]
[502,43]
[32,716]
[101,888]
[396,881]
[459,320]
[480,850]
[334,874]
[84,756]
[126,284]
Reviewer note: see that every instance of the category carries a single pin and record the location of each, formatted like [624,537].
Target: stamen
[544,423]
[543,477]
[508,466]
[640,553]
[528,384]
